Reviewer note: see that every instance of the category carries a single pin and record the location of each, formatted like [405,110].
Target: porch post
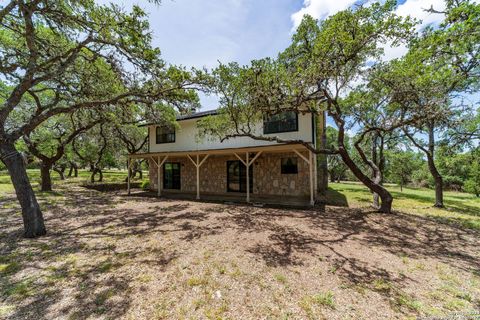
[159,166]
[310,164]
[315,175]
[159,191]
[248,177]
[197,165]
[128,175]
[198,177]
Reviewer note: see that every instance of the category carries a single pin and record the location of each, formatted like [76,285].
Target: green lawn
[460,207]
[83,177]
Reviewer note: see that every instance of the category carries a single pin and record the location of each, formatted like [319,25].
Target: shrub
[453,183]
[422,178]
[471,186]
[145,185]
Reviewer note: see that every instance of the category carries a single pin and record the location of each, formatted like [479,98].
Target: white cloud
[417,9]
[320,9]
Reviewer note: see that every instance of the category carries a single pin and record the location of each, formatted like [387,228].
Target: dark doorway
[237,176]
[171,175]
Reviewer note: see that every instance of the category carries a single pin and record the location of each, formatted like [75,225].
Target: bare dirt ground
[108,256]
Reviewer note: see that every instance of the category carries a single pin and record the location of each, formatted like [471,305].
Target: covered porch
[201,169]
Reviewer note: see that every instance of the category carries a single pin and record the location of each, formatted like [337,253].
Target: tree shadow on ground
[335,198]
[88,225]
[115,234]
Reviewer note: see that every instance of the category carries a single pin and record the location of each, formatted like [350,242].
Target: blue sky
[199,33]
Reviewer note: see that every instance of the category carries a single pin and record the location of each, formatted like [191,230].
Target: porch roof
[247,161]
[269,148]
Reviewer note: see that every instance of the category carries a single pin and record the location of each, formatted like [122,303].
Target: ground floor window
[289,166]
[237,176]
[171,175]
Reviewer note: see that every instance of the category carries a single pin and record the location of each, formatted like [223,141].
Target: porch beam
[301,156]
[240,158]
[201,162]
[154,161]
[163,161]
[189,157]
[254,158]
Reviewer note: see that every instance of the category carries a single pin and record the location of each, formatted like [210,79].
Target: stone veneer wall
[267,176]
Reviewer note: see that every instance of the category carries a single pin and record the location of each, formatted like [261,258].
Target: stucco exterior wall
[267,176]
[186,137]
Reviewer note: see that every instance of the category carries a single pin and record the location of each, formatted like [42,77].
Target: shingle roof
[188,116]
[197,115]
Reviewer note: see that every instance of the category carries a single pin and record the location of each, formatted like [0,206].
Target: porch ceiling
[271,148]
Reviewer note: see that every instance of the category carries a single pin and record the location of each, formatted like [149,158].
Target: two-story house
[240,168]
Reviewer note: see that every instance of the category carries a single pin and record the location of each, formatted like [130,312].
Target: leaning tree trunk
[437,177]
[33,223]
[75,170]
[379,161]
[61,171]
[94,173]
[385,196]
[46,180]
[376,200]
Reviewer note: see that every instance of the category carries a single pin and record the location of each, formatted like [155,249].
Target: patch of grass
[10,268]
[280,278]
[306,306]
[222,269]
[404,300]
[455,304]
[324,299]
[420,266]
[197,281]
[21,289]
[161,310]
[145,278]
[199,303]
[101,298]
[105,266]
[109,176]
[448,276]
[56,274]
[6,310]
[216,313]
[461,208]
[382,285]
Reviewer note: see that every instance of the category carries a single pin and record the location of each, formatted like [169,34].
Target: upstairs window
[289,166]
[165,134]
[281,122]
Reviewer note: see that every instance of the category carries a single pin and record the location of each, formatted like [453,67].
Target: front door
[171,175]
[237,176]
